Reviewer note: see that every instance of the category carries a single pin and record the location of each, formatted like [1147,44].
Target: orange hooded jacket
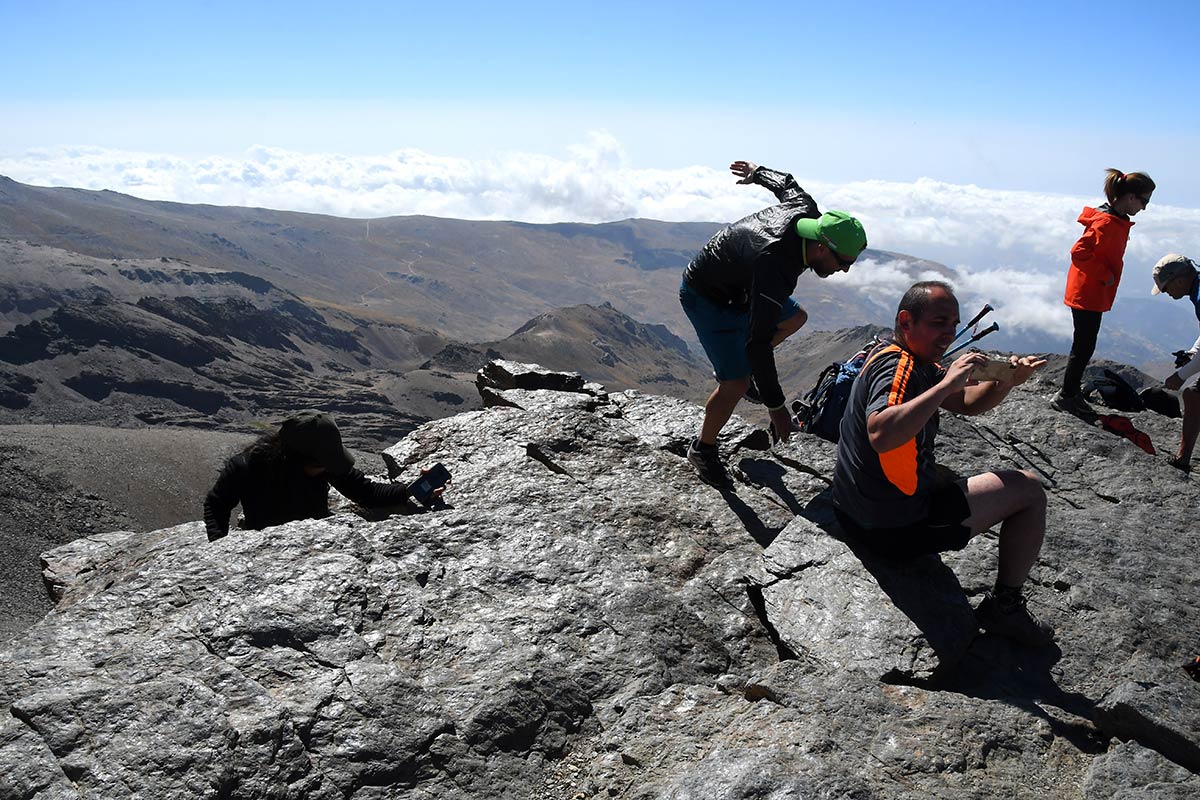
[1096,260]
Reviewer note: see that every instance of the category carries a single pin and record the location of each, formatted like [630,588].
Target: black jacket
[752,266]
[275,490]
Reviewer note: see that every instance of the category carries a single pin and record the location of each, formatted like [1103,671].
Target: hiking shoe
[1017,623]
[1074,404]
[707,462]
[1180,464]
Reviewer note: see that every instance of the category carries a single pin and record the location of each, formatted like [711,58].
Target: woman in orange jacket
[1096,261]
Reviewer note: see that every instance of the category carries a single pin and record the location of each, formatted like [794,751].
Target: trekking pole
[983,312]
[989,329]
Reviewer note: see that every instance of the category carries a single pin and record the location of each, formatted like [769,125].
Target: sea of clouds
[1009,246]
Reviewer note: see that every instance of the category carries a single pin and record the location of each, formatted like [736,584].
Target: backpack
[1116,392]
[1158,399]
[820,410]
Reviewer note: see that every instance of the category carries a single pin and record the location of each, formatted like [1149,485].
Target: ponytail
[1117,183]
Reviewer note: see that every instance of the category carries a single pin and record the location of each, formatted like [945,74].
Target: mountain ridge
[469,280]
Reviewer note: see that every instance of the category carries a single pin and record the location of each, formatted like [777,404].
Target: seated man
[1176,276]
[887,490]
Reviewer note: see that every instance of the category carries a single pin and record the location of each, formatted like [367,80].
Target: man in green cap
[737,294]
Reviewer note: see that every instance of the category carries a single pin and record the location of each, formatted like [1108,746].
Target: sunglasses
[1145,198]
[845,262]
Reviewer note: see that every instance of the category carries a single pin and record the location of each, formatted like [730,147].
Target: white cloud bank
[1008,246]
[1026,301]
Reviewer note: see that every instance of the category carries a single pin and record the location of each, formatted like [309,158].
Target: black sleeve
[221,499]
[883,389]
[768,293]
[781,184]
[366,492]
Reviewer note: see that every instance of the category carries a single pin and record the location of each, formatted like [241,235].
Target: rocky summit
[585,619]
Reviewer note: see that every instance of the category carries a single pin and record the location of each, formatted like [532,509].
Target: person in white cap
[1177,276]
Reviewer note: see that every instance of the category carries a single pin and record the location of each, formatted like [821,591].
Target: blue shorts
[723,331]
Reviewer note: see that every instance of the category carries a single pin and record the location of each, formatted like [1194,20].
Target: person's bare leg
[725,397]
[1191,426]
[720,406]
[789,326]
[1016,500]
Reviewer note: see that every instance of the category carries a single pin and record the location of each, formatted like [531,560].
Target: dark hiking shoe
[1180,464]
[1073,404]
[707,462]
[1016,623]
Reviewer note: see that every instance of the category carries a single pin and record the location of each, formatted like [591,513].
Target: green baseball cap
[837,230]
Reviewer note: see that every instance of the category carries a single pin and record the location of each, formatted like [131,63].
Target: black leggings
[1087,328]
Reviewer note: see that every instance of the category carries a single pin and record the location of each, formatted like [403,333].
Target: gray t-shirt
[892,489]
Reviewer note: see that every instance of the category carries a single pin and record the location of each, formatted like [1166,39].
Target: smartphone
[422,488]
[993,370]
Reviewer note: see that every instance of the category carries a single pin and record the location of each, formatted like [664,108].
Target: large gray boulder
[585,619]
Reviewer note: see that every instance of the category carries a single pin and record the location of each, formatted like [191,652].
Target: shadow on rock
[929,594]
[938,614]
[996,669]
[770,475]
[759,531]
[898,623]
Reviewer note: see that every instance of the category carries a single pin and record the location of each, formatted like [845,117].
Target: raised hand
[1025,367]
[744,170]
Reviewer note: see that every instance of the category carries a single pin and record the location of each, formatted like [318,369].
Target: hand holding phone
[993,370]
[428,487]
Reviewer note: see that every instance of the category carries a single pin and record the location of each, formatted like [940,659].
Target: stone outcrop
[585,619]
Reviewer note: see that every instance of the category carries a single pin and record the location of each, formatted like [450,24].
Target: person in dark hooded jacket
[285,476]
[737,294]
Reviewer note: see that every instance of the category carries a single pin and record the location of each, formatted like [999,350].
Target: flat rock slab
[1131,772]
[1157,708]
[893,622]
[585,616]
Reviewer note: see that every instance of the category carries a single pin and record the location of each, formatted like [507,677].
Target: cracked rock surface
[586,619]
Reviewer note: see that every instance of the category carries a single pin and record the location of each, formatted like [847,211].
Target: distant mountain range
[123,311]
[138,341]
[477,281]
[133,342]
[120,311]
[468,280]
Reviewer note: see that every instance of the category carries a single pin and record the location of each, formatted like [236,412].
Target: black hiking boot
[1072,404]
[707,462]
[1181,464]
[1015,622]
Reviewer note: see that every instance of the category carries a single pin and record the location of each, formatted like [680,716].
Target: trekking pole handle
[989,329]
[983,312]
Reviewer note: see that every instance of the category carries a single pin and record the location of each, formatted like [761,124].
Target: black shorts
[942,530]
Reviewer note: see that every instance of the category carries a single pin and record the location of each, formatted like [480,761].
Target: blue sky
[967,133]
[1020,95]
